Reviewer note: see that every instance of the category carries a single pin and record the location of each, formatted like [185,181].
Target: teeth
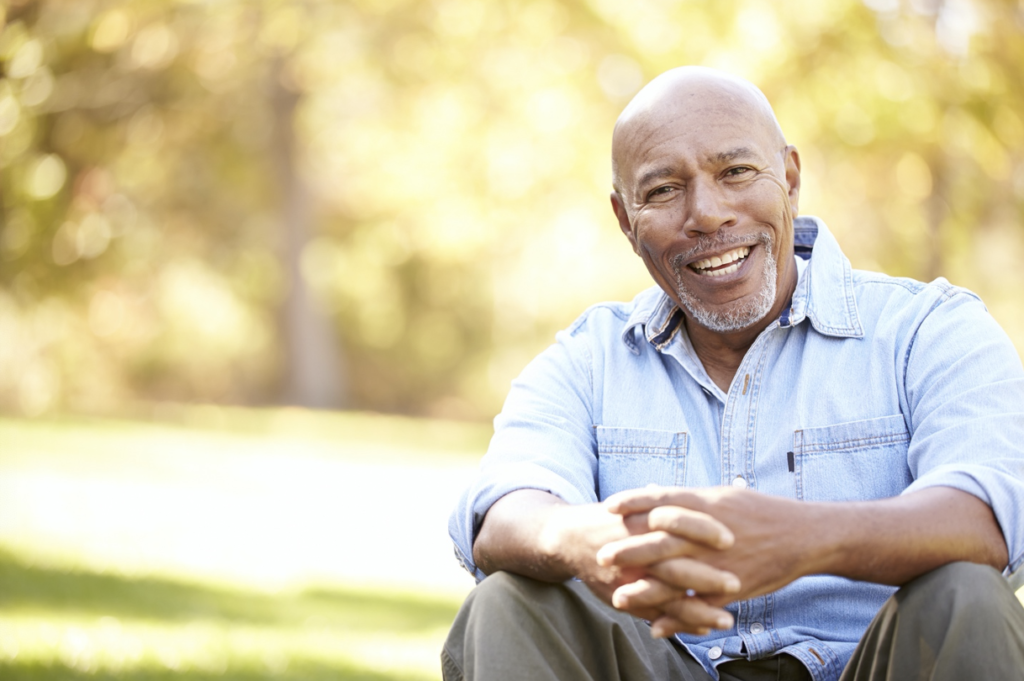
[724,270]
[716,261]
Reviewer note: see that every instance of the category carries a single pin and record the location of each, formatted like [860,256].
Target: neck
[722,353]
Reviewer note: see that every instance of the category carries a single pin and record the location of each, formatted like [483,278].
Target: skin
[696,154]
[699,160]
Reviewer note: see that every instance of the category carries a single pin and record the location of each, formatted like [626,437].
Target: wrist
[559,540]
[825,538]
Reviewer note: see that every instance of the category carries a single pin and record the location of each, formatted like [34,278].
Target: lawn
[229,544]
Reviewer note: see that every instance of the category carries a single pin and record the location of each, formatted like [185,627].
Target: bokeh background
[267,269]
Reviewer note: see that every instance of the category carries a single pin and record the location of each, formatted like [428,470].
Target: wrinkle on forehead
[713,95]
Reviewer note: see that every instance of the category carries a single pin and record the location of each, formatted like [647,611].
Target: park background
[268,267]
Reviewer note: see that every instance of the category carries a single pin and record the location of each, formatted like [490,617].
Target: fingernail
[618,601]
[724,622]
[604,558]
[726,539]
[732,584]
[658,632]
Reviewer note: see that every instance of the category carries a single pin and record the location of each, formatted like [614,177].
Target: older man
[749,458]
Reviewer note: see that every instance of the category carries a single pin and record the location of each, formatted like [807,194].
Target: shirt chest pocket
[852,461]
[628,458]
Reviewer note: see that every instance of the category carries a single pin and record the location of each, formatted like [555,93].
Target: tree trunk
[313,368]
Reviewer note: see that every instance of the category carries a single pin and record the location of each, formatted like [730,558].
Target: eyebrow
[732,154]
[655,174]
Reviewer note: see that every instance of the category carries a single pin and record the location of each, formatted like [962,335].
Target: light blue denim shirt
[876,385]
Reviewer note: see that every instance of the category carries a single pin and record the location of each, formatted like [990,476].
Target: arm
[778,540]
[961,389]
[536,534]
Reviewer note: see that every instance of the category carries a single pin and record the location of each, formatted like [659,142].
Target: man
[753,454]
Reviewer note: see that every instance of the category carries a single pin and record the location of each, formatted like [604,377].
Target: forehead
[700,134]
[692,119]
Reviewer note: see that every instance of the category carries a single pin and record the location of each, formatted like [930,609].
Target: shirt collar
[824,293]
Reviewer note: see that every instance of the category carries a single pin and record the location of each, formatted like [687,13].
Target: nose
[707,208]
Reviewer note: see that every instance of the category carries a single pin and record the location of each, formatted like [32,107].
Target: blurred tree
[220,201]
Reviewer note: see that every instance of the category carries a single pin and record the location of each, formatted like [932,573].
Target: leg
[513,627]
[961,621]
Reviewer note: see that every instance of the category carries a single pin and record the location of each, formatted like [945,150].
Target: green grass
[63,624]
[116,602]
[74,607]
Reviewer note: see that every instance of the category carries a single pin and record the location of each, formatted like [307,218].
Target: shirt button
[740,482]
[756,628]
[715,653]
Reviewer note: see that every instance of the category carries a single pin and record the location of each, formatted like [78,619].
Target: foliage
[453,156]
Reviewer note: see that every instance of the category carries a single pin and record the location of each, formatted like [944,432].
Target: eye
[660,193]
[738,171]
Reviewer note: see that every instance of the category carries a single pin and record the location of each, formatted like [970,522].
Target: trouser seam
[450,669]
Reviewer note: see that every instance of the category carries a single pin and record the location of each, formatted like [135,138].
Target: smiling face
[706,192]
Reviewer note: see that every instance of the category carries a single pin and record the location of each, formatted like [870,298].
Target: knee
[504,591]
[958,586]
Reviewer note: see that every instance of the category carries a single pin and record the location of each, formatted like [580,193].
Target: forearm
[891,541]
[519,535]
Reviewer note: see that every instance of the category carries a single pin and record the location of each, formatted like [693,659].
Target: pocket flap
[864,434]
[640,441]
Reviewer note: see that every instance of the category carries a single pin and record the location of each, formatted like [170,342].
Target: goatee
[738,315]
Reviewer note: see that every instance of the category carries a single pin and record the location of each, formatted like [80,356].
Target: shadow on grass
[32,588]
[297,671]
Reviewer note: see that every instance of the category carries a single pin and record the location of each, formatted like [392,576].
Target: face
[707,197]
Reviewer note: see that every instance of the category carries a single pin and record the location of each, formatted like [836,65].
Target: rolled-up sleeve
[543,439]
[965,405]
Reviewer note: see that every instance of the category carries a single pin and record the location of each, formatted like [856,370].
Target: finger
[649,614]
[692,525]
[644,593]
[696,614]
[642,549]
[691,616]
[636,523]
[647,498]
[687,573]
[665,626]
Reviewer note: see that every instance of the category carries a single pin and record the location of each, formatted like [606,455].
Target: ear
[619,207]
[793,177]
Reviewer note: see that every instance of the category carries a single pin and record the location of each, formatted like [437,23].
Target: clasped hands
[702,549]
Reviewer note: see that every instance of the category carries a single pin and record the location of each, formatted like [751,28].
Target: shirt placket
[753,617]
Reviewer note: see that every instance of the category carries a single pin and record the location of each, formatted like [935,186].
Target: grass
[57,623]
[95,516]
[229,545]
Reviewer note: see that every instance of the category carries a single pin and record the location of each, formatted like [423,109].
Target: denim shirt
[868,387]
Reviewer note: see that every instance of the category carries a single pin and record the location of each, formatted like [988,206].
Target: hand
[768,551]
[574,534]
[579,533]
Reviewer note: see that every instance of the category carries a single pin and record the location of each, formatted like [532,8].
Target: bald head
[705,94]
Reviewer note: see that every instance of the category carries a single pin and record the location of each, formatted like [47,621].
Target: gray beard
[739,315]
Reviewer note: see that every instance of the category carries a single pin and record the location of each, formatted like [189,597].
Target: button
[715,653]
[740,482]
[756,628]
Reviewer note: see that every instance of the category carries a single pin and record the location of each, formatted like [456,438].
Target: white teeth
[732,256]
[724,270]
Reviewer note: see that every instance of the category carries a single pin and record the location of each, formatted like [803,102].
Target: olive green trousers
[959,622]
